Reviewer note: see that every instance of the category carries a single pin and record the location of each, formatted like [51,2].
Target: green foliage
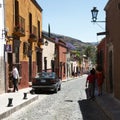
[90,52]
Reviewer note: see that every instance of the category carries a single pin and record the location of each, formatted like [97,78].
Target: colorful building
[48,56]
[54,56]
[23,20]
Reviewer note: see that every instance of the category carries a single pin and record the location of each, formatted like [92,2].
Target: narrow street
[68,104]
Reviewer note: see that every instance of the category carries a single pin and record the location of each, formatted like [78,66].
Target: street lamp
[94,12]
[46,43]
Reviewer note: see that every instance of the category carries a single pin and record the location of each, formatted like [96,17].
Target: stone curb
[14,109]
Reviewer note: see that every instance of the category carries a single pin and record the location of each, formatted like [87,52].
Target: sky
[73,18]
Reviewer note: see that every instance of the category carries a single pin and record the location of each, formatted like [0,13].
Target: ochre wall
[25,7]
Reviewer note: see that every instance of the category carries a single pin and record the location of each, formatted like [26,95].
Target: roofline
[37,5]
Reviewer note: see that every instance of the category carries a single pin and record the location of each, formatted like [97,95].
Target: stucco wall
[113,42]
[48,51]
[25,8]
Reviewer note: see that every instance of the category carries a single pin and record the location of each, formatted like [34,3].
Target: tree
[90,52]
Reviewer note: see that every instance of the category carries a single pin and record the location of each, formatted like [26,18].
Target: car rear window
[47,75]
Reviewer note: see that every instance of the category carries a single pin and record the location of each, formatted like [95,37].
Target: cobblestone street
[68,104]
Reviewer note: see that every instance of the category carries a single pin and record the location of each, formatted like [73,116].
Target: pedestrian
[90,83]
[15,75]
[100,79]
[73,74]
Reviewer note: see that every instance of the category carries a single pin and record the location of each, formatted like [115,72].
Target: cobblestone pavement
[68,104]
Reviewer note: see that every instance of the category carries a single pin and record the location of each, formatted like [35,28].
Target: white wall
[48,51]
[2,42]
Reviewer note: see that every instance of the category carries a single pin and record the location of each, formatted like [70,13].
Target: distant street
[68,104]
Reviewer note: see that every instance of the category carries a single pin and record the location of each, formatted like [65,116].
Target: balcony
[32,38]
[19,31]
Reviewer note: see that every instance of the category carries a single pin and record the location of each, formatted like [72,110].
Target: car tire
[32,91]
[59,87]
[56,90]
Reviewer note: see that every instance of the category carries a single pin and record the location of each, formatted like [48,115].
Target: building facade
[48,58]
[113,47]
[23,19]
[60,59]
[102,59]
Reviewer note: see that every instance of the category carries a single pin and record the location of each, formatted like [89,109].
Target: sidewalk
[109,105]
[17,101]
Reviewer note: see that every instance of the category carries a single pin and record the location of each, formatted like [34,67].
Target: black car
[46,81]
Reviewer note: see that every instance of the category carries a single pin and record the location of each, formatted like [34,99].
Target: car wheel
[56,90]
[59,87]
[32,91]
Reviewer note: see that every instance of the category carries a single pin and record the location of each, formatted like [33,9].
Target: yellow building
[23,21]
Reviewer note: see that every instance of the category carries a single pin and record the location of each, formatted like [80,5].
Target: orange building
[23,20]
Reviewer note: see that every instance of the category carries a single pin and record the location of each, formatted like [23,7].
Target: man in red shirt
[90,82]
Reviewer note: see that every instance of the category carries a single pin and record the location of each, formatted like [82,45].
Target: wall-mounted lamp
[94,12]
[46,43]
[4,32]
[1,5]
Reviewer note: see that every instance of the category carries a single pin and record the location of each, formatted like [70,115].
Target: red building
[61,51]
[102,58]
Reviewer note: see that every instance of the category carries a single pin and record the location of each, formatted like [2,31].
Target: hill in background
[79,45]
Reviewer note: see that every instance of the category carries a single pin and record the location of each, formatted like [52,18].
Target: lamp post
[94,12]
[46,43]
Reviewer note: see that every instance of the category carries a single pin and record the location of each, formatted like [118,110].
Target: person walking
[15,75]
[100,79]
[90,83]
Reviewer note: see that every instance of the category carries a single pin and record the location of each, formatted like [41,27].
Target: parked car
[46,81]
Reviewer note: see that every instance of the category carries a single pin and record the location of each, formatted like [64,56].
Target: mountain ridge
[79,45]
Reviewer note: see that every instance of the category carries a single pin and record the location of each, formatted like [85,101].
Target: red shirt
[91,78]
[100,78]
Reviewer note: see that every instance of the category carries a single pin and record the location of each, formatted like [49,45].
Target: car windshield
[47,75]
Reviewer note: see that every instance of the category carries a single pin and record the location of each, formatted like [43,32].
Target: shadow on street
[91,111]
[41,92]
